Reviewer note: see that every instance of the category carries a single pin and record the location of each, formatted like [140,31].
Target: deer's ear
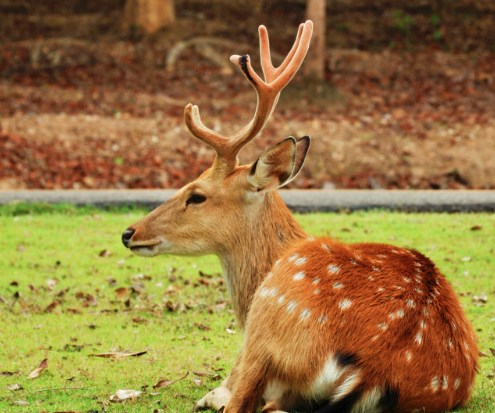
[279,164]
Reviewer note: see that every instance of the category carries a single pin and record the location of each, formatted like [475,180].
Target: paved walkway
[298,200]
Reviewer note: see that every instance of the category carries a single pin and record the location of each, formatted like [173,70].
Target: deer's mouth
[146,250]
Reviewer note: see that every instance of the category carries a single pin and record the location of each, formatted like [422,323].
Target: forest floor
[76,112]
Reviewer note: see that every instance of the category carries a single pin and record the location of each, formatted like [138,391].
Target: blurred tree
[148,15]
[315,61]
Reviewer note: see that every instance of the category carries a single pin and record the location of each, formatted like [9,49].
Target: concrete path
[298,200]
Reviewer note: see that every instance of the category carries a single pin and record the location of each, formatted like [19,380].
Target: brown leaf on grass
[118,354]
[14,387]
[121,292]
[476,227]
[36,372]
[121,395]
[492,350]
[104,253]
[21,403]
[165,382]
[8,373]
[51,307]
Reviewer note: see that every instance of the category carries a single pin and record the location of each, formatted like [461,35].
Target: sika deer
[329,327]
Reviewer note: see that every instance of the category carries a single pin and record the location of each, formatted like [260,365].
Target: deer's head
[208,214]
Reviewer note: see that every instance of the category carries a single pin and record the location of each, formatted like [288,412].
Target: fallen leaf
[492,350]
[121,292]
[476,227]
[14,387]
[36,372]
[165,382]
[21,403]
[480,299]
[118,354]
[104,253]
[51,283]
[8,373]
[51,307]
[121,395]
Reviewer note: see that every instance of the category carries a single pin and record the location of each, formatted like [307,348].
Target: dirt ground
[76,112]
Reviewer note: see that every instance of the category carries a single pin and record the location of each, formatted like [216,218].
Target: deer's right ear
[279,164]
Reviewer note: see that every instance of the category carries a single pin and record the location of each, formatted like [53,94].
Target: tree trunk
[315,61]
[148,15]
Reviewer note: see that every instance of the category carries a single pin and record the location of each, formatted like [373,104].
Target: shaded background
[88,99]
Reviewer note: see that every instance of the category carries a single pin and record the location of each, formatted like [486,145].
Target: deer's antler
[267,90]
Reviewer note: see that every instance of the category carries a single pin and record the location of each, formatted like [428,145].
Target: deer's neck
[254,250]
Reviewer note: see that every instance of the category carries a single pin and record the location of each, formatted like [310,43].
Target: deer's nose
[127,235]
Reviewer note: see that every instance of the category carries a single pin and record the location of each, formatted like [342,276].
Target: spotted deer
[329,326]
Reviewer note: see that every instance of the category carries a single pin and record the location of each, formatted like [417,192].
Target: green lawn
[69,289]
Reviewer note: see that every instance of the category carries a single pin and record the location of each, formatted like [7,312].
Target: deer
[328,326]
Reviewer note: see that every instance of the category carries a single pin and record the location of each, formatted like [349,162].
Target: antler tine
[267,92]
[270,71]
[199,130]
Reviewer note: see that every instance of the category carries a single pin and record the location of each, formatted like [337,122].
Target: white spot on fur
[326,247]
[418,290]
[291,306]
[376,269]
[369,402]
[375,337]
[268,292]
[316,281]
[300,261]
[422,325]
[371,278]
[328,375]
[457,383]
[263,292]
[450,344]
[406,279]
[293,257]
[445,383]
[426,312]
[299,276]
[434,384]
[383,326]
[419,338]
[281,299]
[408,356]
[269,275]
[347,386]
[337,286]
[305,314]
[345,304]
[333,268]
[316,291]
[277,263]
[410,303]
[322,319]
[398,314]
[380,289]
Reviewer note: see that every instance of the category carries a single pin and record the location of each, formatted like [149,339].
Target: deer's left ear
[279,165]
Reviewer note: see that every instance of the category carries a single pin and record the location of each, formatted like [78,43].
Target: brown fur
[403,283]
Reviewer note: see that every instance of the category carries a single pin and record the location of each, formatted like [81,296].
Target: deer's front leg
[218,398]
[215,399]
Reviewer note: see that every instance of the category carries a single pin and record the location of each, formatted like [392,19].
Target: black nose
[127,235]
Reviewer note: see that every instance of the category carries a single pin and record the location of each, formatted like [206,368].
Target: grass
[68,289]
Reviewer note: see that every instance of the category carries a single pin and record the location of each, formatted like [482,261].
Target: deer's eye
[195,199]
